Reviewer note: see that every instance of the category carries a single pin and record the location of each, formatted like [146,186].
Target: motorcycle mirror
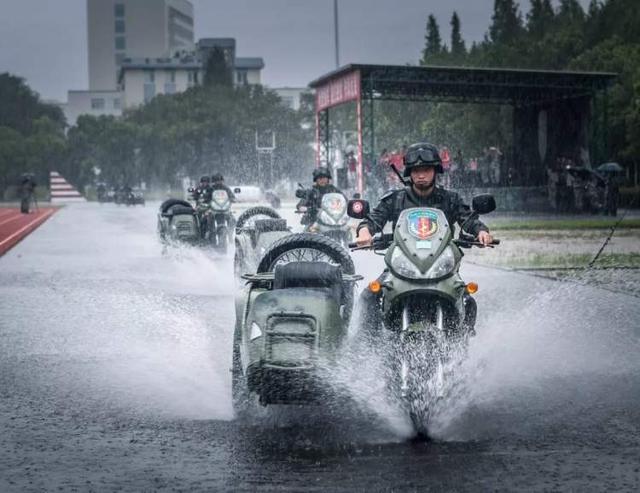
[358,209]
[190,189]
[484,203]
[357,195]
[301,194]
[236,190]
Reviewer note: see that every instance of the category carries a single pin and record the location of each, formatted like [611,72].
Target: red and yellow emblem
[422,224]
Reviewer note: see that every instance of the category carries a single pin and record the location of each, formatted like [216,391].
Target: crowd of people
[571,189]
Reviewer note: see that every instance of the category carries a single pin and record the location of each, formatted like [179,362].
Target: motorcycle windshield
[220,200]
[422,234]
[334,205]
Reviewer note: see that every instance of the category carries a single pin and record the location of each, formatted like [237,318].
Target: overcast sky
[45,41]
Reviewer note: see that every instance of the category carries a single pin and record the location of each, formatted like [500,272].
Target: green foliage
[31,132]
[605,38]
[217,70]
[204,130]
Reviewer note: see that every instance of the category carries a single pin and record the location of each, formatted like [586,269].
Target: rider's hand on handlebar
[485,238]
[364,238]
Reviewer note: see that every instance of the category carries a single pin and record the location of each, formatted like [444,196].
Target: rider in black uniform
[310,204]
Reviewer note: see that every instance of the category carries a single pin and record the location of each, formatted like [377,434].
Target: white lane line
[43,217]
[19,216]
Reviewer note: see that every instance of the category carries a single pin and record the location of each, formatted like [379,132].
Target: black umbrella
[610,168]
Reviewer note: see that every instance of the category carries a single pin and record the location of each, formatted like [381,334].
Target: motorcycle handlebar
[383,241]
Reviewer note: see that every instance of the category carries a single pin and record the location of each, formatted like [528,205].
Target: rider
[311,204]
[203,190]
[217,183]
[421,164]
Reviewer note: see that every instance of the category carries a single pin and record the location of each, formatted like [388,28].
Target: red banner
[338,91]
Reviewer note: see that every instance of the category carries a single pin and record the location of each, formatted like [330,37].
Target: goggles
[427,156]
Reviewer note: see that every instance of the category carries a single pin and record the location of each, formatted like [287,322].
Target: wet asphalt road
[114,376]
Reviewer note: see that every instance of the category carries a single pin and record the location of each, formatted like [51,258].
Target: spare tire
[324,246]
[164,207]
[256,211]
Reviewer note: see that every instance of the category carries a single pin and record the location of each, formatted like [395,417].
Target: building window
[241,77]
[97,103]
[117,104]
[119,26]
[149,76]
[149,91]
[118,9]
[169,88]
[171,75]
[121,43]
[120,58]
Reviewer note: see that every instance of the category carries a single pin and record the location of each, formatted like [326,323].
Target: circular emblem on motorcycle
[357,207]
[422,224]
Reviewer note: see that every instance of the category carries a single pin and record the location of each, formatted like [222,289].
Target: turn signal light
[375,286]
[472,288]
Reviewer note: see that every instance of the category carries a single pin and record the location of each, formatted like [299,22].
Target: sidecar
[291,318]
[178,222]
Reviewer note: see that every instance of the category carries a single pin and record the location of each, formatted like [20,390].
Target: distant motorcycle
[332,219]
[216,219]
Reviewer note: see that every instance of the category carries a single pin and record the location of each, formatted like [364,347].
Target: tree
[539,18]
[433,42]
[458,48]
[506,23]
[217,70]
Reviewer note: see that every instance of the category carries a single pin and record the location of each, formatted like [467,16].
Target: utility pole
[337,33]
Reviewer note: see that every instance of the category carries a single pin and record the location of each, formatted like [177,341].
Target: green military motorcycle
[421,302]
[291,319]
[331,218]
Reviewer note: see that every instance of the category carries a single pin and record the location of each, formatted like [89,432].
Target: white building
[119,29]
[94,103]
[291,96]
[141,79]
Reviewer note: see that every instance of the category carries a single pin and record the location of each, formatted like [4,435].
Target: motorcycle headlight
[443,265]
[325,218]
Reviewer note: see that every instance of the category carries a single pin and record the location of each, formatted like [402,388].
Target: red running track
[14,225]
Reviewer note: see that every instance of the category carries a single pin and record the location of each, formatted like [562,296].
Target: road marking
[19,216]
[39,218]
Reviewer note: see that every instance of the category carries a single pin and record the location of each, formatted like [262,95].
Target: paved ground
[114,376]
[14,226]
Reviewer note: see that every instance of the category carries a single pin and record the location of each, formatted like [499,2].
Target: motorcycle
[421,301]
[216,220]
[291,318]
[332,219]
[256,229]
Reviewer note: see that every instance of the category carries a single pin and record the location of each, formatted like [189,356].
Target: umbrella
[610,168]
[585,173]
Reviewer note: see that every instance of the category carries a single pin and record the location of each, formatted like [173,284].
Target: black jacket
[313,201]
[395,201]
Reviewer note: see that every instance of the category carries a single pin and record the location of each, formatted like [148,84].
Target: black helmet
[204,179]
[217,177]
[321,172]
[421,154]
